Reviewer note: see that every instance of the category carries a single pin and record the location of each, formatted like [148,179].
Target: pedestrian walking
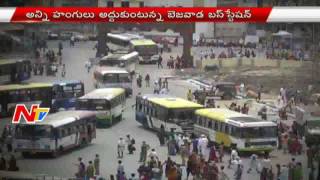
[96,163]
[144,150]
[90,171]
[160,62]
[233,156]
[238,172]
[165,83]
[156,89]
[60,47]
[63,71]
[81,169]
[120,168]
[189,95]
[147,79]
[221,152]
[253,163]
[121,147]
[222,174]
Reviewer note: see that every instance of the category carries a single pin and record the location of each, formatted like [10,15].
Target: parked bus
[56,133]
[312,131]
[233,129]
[13,71]
[113,77]
[109,103]
[55,95]
[167,112]
[147,49]
[28,94]
[127,61]
[122,39]
[65,94]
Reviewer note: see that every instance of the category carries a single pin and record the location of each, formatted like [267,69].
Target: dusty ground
[272,79]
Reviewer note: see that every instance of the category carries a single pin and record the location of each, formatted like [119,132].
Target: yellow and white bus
[58,132]
[108,103]
[147,49]
[126,61]
[113,77]
[247,133]
[168,112]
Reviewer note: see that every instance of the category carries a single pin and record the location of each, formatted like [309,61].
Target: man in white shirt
[203,145]
[153,154]
[121,147]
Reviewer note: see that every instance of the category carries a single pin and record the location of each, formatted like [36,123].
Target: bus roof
[120,56]
[4,62]
[24,86]
[142,42]
[171,101]
[119,36]
[111,70]
[232,117]
[130,55]
[104,93]
[64,117]
[64,82]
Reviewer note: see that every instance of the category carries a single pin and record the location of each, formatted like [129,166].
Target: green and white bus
[113,77]
[247,133]
[147,49]
[126,61]
[57,133]
[109,103]
[167,112]
[28,94]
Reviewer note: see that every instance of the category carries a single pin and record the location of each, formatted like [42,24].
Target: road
[106,141]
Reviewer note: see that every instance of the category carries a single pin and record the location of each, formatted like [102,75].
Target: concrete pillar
[187,45]
[102,39]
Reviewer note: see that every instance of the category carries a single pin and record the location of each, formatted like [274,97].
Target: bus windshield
[259,132]
[110,78]
[93,104]
[33,131]
[116,78]
[147,49]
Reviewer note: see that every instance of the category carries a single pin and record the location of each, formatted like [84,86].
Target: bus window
[63,134]
[222,127]
[216,126]
[69,131]
[110,78]
[200,121]
[99,104]
[226,129]
[124,78]
[210,124]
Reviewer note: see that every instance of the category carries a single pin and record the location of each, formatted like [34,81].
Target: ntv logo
[36,114]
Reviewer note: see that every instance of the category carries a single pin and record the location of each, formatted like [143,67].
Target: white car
[53,36]
[80,37]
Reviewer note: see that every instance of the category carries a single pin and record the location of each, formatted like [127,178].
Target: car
[53,36]
[65,35]
[80,37]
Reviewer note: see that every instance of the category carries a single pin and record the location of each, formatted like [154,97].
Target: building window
[141,4]
[109,3]
[125,4]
